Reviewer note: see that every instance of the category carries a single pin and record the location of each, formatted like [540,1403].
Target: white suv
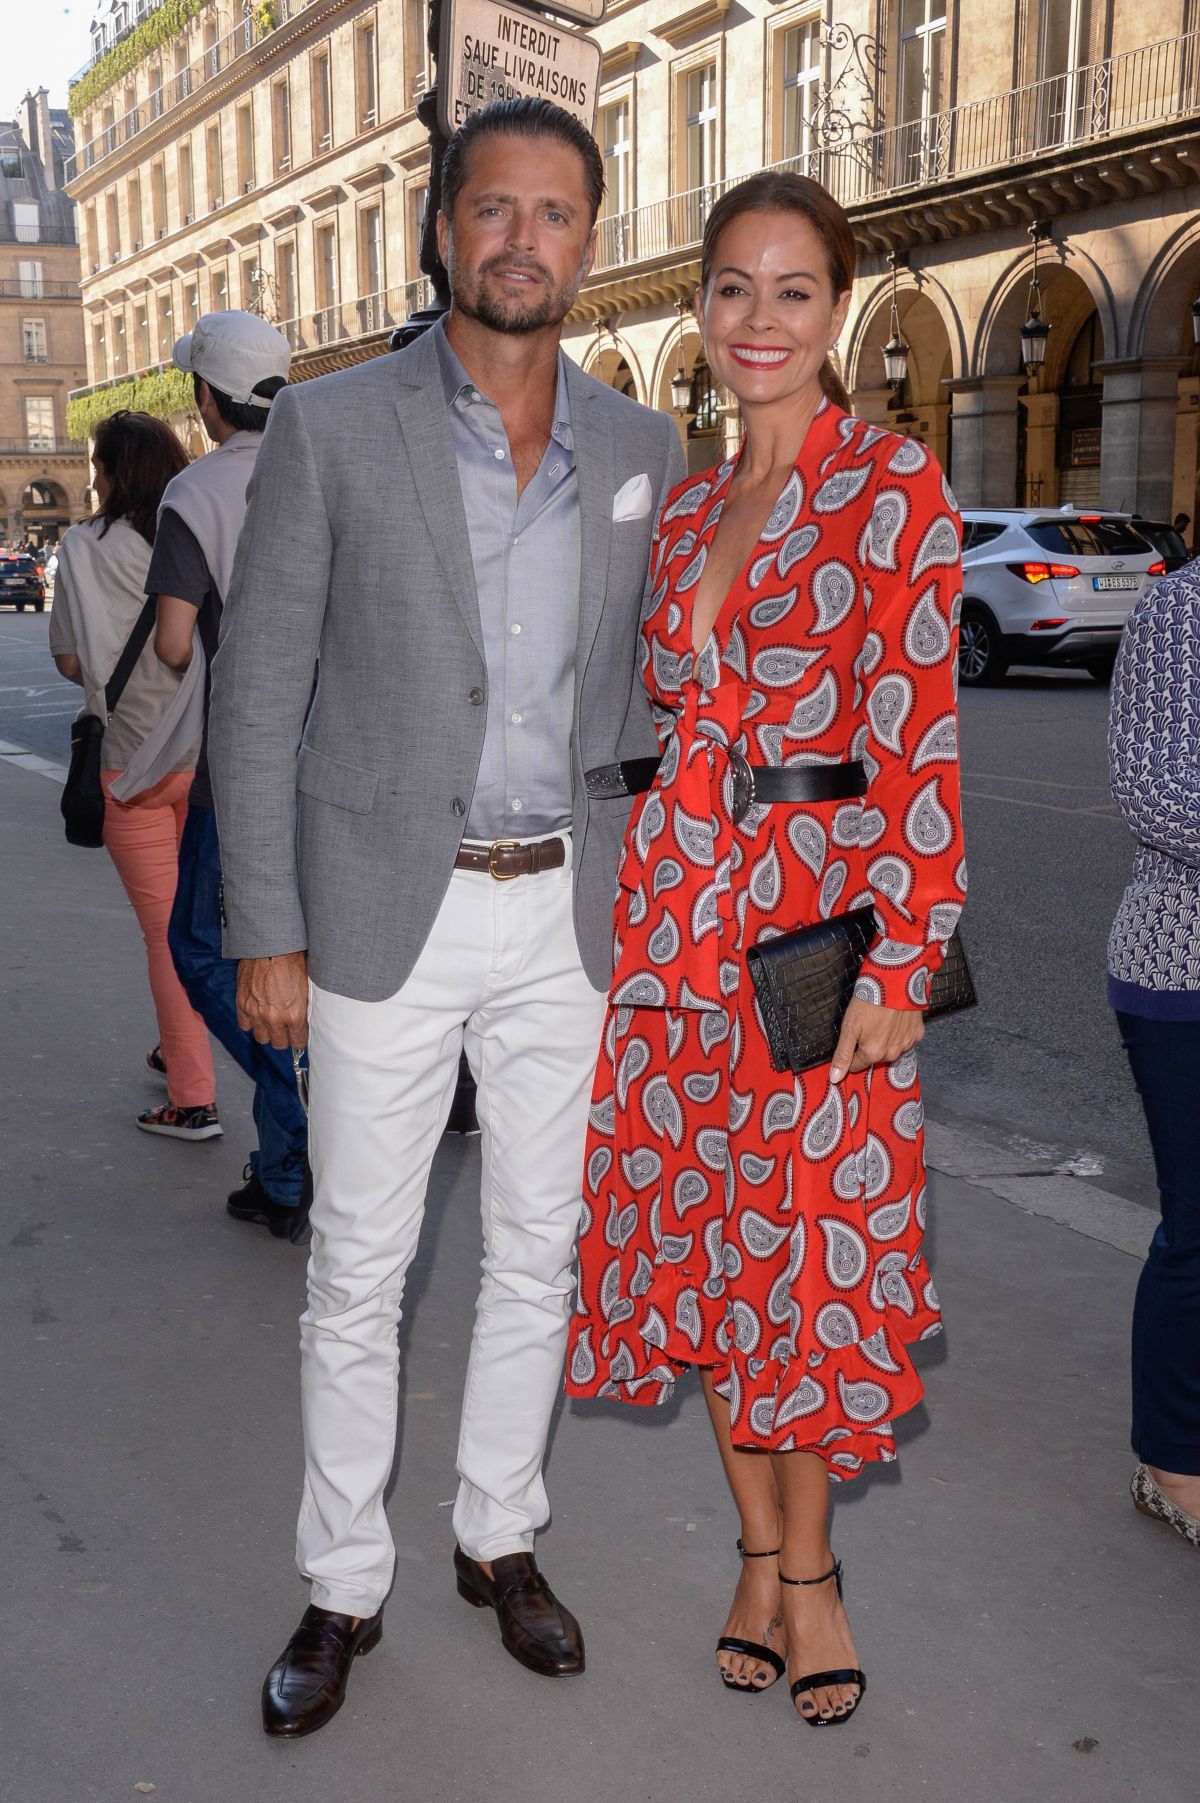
[1045,586]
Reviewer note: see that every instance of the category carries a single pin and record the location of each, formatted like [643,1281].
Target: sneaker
[156,1062]
[182,1123]
[251,1203]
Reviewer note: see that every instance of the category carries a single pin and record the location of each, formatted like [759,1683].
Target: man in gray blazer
[453,542]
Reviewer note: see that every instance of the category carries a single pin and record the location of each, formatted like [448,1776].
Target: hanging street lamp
[1035,331]
[895,351]
[681,381]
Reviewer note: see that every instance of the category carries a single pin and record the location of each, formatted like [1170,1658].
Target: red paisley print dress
[764,1225]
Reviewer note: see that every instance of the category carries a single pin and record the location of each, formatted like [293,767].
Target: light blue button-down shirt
[525,551]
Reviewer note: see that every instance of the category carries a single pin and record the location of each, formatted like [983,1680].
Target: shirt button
[475,395]
[516,719]
[476,697]
[516,806]
[458,806]
[499,456]
[515,630]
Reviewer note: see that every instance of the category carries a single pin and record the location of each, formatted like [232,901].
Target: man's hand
[875,1035]
[272,999]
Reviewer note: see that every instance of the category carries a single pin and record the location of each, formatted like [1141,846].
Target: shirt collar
[462,392]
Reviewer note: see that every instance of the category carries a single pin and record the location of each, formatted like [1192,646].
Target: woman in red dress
[763,1227]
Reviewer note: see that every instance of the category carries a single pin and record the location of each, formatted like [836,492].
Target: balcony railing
[186,81]
[362,318]
[1149,86]
[41,444]
[32,287]
[36,234]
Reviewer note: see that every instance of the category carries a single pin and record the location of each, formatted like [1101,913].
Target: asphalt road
[1037,1068]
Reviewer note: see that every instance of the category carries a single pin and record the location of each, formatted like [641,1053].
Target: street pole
[431,262]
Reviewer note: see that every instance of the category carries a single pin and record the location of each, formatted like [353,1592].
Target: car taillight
[1042,572]
[1157,569]
[1046,625]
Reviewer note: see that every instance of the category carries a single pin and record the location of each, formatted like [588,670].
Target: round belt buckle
[743,786]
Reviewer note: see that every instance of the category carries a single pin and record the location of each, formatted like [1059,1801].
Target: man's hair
[526,118]
[241,415]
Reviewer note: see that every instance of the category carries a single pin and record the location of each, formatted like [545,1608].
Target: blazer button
[458,805]
[476,698]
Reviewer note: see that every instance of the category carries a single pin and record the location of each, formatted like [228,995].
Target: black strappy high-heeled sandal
[753,1649]
[821,1680]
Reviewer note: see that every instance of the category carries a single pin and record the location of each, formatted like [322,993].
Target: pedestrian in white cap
[238,363]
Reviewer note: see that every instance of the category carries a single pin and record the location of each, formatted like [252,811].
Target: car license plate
[1111,582]
[14,582]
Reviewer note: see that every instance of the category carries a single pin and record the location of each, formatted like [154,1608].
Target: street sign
[490,51]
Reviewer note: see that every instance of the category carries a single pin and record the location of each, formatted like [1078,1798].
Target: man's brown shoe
[534,1626]
[306,1686]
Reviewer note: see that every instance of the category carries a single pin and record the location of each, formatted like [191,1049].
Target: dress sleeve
[911,558]
[1154,768]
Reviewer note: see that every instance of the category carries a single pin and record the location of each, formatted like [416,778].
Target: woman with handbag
[99,607]
[766,1227]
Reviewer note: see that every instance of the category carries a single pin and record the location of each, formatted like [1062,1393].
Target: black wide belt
[752,783]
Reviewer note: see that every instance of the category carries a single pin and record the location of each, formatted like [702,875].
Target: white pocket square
[634,500]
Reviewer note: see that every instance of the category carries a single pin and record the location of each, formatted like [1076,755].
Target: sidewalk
[1028,1638]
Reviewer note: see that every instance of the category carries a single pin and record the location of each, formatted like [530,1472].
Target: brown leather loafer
[534,1626]
[306,1686]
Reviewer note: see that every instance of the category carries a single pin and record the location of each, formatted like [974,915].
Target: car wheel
[980,659]
[20,606]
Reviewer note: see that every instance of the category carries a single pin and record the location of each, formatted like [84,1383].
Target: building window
[158,198]
[281,125]
[616,144]
[285,278]
[417,59]
[187,186]
[91,238]
[133,202]
[1064,36]
[39,422]
[220,291]
[326,259]
[245,148]
[99,353]
[183,72]
[113,222]
[322,101]
[365,75]
[120,348]
[33,340]
[418,198]
[166,324]
[141,326]
[212,51]
[370,250]
[30,276]
[700,127]
[922,79]
[191,305]
[801,82]
[214,169]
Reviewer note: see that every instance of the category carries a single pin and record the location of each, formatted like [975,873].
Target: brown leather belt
[507,858]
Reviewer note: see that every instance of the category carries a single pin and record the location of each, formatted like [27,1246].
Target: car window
[1165,540]
[977,533]
[20,566]
[1088,538]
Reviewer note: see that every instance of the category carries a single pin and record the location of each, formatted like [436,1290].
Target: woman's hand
[872,1034]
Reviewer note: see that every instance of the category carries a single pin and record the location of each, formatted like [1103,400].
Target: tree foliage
[164,393]
[165,23]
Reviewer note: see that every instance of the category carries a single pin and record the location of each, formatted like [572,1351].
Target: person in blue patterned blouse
[1154,985]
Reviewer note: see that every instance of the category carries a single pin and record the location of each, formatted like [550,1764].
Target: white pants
[500,973]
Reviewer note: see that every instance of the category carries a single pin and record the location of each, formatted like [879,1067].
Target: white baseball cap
[234,351]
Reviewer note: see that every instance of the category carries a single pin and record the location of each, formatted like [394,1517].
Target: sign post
[493,51]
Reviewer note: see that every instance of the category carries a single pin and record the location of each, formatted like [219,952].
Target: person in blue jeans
[1154,986]
[237,364]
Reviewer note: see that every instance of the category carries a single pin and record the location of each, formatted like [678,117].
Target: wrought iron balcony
[36,234]
[32,287]
[181,86]
[1154,85]
[366,317]
[41,444]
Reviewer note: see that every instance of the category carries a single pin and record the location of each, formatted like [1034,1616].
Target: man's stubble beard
[515,319]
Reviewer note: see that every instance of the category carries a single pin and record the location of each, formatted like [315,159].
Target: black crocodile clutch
[804,982]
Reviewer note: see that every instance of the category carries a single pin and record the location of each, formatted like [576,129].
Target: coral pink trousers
[142,837]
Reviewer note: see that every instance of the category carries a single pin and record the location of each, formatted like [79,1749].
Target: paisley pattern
[764,1226]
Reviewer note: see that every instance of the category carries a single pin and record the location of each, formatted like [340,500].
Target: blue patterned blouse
[1154,769]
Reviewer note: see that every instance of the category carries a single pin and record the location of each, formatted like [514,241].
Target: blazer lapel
[425,424]
[595,467]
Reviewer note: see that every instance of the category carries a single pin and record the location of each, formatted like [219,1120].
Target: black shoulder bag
[82,804]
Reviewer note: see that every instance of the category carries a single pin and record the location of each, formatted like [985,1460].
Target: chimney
[46,136]
[27,122]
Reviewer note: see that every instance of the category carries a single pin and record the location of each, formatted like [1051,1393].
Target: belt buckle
[743,786]
[501,876]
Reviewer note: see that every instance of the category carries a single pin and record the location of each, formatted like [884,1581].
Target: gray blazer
[340,820]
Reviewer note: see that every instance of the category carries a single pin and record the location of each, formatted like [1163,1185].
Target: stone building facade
[271,156]
[43,473]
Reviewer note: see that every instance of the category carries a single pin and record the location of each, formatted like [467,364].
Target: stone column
[983,440]
[1041,472]
[1137,444]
